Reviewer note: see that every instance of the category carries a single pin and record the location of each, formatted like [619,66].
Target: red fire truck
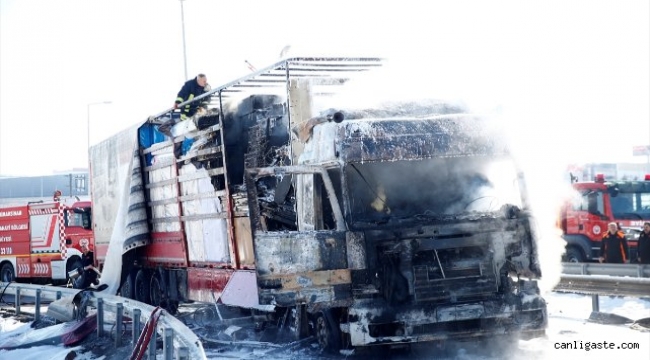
[583,218]
[40,241]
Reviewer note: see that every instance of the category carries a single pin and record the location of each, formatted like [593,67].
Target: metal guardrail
[631,270]
[584,278]
[605,279]
[604,285]
[174,333]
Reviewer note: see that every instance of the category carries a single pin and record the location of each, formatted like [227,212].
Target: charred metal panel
[298,252]
[323,295]
[374,323]
[392,140]
[356,250]
[458,260]
[302,267]
[307,279]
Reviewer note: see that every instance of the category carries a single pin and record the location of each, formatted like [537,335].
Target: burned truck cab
[408,229]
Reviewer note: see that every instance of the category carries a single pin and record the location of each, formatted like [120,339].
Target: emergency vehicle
[584,217]
[40,241]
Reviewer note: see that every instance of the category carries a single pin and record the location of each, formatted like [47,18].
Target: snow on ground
[568,325]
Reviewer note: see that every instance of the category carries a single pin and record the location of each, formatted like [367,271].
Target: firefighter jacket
[189,91]
[614,248]
[644,248]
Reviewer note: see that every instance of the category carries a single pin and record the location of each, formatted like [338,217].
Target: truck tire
[574,255]
[328,333]
[156,290]
[141,287]
[159,297]
[126,290]
[7,273]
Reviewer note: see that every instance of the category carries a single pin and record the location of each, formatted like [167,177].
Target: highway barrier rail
[604,285]
[630,270]
[179,342]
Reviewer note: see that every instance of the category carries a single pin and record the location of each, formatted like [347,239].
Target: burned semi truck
[385,226]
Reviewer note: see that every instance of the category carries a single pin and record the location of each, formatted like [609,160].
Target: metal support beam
[595,306]
[17,301]
[136,326]
[152,345]
[118,324]
[100,317]
[37,306]
[168,343]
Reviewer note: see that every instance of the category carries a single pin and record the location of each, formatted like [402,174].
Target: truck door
[307,264]
[589,216]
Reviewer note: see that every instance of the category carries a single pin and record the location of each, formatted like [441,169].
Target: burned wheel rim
[322,332]
[155,291]
[327,332]
[127,288]
[141,292]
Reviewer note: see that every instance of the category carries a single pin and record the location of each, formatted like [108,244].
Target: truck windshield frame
[380,191]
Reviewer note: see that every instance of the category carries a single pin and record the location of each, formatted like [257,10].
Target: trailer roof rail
[322,71]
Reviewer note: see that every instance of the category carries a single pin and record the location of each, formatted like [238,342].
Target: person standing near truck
[613,247]
[643,253]
[87,270]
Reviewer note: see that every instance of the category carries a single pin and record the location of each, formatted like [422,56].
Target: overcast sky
[573,76]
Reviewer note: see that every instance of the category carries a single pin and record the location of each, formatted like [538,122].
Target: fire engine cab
[583,219]
[40,241]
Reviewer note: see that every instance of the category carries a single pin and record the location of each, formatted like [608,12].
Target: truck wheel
[328,333]
[7,273]
[126,290]
[142,287]
[574,255]
[155,291]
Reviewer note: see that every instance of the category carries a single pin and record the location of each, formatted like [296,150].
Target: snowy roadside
[568,314]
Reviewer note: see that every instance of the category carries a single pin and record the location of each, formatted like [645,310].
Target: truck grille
[454,282]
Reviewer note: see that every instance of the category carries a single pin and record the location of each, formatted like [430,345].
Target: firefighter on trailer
[191,89]
[613,248]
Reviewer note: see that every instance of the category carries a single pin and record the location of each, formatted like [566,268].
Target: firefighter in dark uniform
[613,247]
[87,270]
[643,253]
[191,89]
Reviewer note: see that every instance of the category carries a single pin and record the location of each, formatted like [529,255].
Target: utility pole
[183,28]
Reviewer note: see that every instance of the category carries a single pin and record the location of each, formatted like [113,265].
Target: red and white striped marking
[43,211]
[62,246]
[41,269]
[22,269]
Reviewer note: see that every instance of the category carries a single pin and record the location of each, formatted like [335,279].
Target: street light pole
[88,126]
[183,28]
